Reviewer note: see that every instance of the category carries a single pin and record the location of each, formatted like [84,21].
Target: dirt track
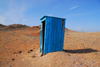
[20,48]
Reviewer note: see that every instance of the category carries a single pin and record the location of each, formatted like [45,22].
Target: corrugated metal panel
[48,34]
[54,34]
[46,37]
[59,34]
[50,38]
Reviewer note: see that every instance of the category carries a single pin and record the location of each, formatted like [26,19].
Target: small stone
[80,63]
[73,62]
[13,59]
[82,44]
[68,54]
[28,51]
[20,52]
[31,50]
[41,55]
[14,53]
[33,56]
[93,62]
[86,66]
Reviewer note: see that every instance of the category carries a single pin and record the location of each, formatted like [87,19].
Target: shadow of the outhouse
[88,50]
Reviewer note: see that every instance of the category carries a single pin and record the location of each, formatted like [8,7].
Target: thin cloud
[24,20]
[2,19]
[74,7]
[82,14]
[14,13]
[79,28]
[57,6]
[49,15]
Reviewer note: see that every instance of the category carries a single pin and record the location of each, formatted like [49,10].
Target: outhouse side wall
[54,35]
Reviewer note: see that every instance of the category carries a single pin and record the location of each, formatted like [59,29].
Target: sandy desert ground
[21,48]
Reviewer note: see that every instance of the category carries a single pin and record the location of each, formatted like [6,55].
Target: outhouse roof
[52,17]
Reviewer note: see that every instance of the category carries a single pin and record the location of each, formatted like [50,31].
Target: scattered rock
[33,56]
[17,52]
[86,66]
[82,44]
[13,59]
[84,63]
[28,51]
[73,62]
[41,55]
[93,62]
[80,63]
[31,50]
[14,53]
[68,54]
[20,52]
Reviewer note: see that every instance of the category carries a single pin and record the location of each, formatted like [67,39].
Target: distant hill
[34,27]
[66,29]
[14,27]
[20,26]
[2,26]
[39,27]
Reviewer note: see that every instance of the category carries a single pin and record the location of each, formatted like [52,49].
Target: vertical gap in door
[62,31]
[43,34]
[62,27]
[62,24]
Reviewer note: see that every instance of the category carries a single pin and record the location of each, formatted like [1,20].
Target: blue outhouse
[52,34]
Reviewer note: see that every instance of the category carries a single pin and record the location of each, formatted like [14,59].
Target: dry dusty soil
[21,48]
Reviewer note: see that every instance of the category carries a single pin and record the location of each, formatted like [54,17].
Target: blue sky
[80,14]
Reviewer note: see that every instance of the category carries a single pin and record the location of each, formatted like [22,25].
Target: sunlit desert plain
[20,47]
